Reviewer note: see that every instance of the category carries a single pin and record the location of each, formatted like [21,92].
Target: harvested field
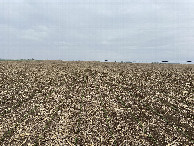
[93,103]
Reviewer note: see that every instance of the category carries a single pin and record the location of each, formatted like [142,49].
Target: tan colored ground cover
[93,103]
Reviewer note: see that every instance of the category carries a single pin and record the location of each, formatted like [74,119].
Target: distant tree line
[15,59]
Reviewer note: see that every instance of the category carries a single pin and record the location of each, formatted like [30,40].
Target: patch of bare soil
[93,103]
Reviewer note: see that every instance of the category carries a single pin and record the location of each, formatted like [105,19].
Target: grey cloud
[97,29]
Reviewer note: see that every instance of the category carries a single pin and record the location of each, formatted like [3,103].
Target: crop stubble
[93,103]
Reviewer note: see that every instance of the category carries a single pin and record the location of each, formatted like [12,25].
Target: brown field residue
[93,103]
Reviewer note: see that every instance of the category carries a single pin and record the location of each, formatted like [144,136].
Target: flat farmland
[95,103]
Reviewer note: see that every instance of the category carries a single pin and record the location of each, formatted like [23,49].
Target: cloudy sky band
[97,29]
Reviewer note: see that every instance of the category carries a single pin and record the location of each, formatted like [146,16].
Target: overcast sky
[128,30]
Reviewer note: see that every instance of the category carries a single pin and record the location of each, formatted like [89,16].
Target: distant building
[167,62]
[189,61]
[106,60]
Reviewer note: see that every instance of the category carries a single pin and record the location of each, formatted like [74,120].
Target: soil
[96,103]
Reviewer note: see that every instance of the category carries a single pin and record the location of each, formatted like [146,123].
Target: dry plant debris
[93,103]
